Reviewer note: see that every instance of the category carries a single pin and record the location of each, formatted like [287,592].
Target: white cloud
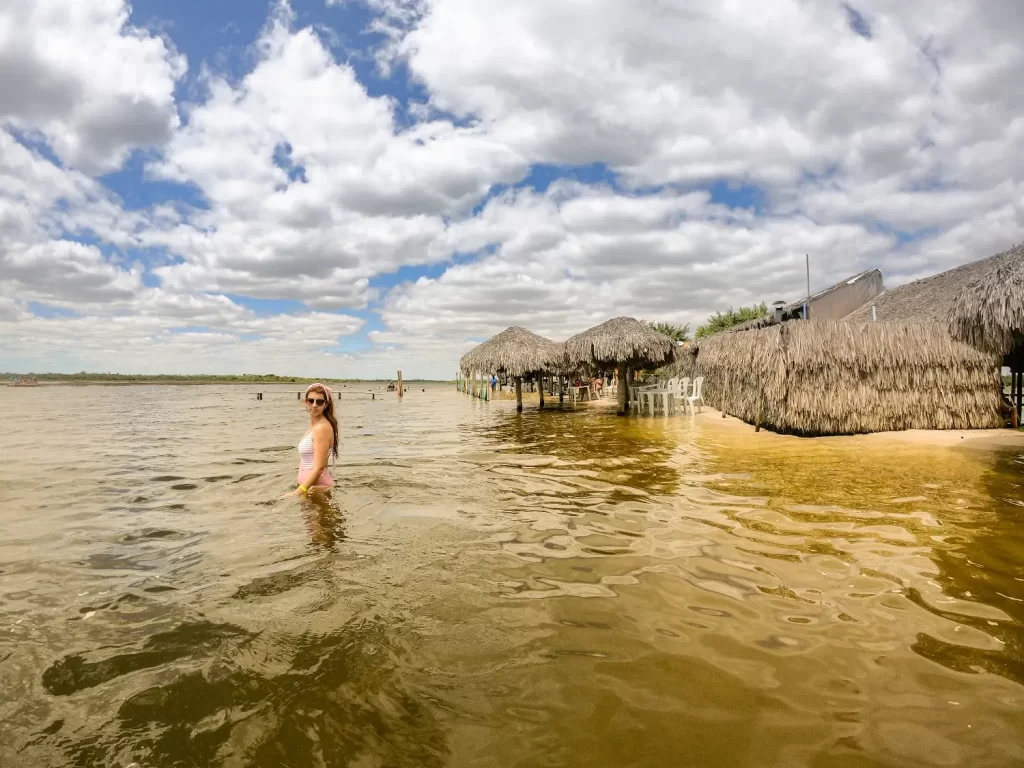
[371,201]
[78,74]
[595,255]
[159,335]
[901,148]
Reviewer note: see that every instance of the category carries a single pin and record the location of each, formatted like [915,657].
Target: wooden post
[485,386]
[399,384]
[1020,393]
[561,390]
[541,388]
[298,395]
[623,404]
[519,394]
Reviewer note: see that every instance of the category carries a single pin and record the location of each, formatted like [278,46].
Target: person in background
[319,443]
[494,383]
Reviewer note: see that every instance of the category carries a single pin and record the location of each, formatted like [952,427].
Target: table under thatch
[515,352]
[624,343]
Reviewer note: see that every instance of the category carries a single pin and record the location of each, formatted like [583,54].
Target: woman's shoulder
[324,428]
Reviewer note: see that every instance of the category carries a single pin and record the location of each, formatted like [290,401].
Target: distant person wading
[317,445]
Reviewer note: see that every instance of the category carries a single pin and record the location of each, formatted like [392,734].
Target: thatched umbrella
[515,352]
[625,343]
[989,312]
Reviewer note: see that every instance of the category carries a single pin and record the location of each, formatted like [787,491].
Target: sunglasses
[317,401]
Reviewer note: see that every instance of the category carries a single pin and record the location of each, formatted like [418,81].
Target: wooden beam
[541,388]
[400,389]
[1018,377]
[519,394]
[623,404]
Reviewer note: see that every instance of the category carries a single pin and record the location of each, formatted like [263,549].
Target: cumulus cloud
[78,74]
[312,190]
[591,253]
[722,142]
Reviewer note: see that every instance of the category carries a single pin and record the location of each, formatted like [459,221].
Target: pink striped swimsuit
[306,463]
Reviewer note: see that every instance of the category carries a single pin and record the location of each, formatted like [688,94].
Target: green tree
[674,332]
[720,321]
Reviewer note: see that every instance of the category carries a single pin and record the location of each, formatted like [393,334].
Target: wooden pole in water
[400,391]
[519,394]
[623,404]
[1020,394]
[541,388]
[561,390]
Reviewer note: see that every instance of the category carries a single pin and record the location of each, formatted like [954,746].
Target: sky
[344,188]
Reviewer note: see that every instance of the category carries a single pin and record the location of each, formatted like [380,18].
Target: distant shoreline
[45,381]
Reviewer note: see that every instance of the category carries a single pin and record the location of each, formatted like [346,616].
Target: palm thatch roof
[990,311]
[623,340]
[828,377]
[515,351]
[935,298]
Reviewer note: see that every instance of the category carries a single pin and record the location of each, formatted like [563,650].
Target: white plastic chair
[680,393]
[635,403]
[668,396]
[698,393]
[652,395]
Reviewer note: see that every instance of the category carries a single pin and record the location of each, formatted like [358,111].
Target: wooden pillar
[519,394]
[400,389]
[541,388]
[561,390]
[623,391]
[485,386]
[1019,400]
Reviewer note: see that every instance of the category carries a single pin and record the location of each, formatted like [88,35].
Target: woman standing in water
[319,442]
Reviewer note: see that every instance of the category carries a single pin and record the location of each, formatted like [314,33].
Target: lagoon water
[562,588]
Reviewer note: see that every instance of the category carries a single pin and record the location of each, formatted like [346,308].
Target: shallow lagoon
[562,588]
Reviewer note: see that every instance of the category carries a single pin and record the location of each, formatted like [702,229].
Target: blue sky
[336,187]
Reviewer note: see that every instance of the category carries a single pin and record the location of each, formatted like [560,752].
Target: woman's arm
[322,436]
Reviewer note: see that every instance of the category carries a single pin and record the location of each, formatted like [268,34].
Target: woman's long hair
[328,412]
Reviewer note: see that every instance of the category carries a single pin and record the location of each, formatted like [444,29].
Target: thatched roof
[622,340]
[828,377]
[989,313]
[933,299]
[515,351]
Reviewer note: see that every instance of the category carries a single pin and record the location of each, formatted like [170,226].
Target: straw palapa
[621,341]
[828,377]
[989,313]
[515,352]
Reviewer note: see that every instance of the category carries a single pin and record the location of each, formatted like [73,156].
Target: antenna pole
[807,305]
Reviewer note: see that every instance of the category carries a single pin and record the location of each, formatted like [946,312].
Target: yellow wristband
[303,488]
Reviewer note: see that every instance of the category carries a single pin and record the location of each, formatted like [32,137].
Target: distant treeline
[167,378]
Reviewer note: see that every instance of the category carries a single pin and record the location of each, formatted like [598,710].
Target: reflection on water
[490,589]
